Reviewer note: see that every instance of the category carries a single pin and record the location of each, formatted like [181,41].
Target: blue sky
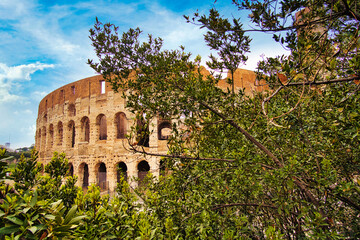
[45,44]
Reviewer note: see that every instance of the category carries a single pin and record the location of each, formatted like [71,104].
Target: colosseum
[88,121]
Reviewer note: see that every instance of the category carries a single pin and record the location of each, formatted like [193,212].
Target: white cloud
[11,78]
[10,9]
[21,72]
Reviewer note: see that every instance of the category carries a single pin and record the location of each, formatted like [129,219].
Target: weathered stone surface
[88,123]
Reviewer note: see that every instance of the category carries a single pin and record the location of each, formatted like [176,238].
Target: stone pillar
[93,132]
[154,163]
[153,141]
[132,173]
[92,172]
[111,171]
[111,128]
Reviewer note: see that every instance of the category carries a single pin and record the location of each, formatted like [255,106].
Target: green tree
[58,167]
[28,210]
[56,184]
[282,163]
[25,173]
[231,46]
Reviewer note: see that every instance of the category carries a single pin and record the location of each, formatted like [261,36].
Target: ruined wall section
[69,120]
[88,121]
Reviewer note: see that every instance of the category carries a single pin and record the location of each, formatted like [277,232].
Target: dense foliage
[282,163]
[276,164]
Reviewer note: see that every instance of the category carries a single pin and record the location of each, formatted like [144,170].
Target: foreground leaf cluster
[282,163]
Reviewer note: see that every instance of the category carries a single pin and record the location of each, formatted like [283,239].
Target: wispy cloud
[12,77]
[37,36]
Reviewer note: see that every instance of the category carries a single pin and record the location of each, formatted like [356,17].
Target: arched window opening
[121,171]
[143,134]
[60,133]
[72,133]
[43,138]
[101,176]
[143,169]
[85,129]
[84,175]
[45,118]
[71,170]
[121,125]
[102,128]
[51,135]
[72,110]
[164,130]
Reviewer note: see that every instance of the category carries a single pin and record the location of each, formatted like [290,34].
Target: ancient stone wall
[88,121]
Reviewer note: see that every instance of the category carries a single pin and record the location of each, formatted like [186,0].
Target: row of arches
[101,173]
[71,112]
[56,134]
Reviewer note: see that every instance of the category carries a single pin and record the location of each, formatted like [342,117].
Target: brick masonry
[76,118]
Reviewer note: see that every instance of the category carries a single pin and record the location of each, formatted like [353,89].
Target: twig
[322,82]
[263,107]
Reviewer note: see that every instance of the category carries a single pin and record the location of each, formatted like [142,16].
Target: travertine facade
[88,121]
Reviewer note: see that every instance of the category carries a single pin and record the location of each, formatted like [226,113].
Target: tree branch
[180,156]
[322,82]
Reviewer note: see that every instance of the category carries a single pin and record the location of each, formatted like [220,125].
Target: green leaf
[25,210]
[70,214]
[33,229]
[50,216]
[15,220]
[9,229]
[34,199]
[77,219]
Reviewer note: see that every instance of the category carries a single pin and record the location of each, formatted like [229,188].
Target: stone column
[132,173]
[93,131]
[154,163]
[111,171]
[153,141]
[92,172]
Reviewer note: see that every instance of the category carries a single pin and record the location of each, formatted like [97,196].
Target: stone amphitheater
[88,121]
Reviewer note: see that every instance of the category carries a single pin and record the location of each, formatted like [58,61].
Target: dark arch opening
[102,127]
[43,140]
[102,176]
[51,135]
[121,171]
[164,130]
[143,169]
[60,133]
[71,169]
[121,125]
[143,134]
[84,174]
[72,132]
[85,128]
